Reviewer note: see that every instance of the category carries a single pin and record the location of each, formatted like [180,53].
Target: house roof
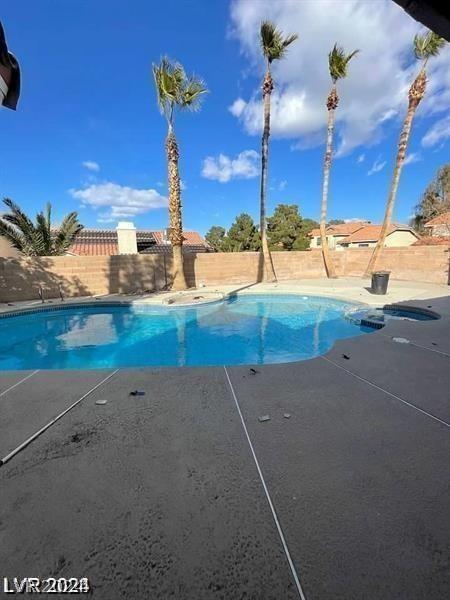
[432,240]
[346,228]
[371,233]
[443,219]
[103,242]
[341,229]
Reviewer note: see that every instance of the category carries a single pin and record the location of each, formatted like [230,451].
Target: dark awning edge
[432,13]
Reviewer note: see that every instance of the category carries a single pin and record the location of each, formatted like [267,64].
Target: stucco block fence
[98,275]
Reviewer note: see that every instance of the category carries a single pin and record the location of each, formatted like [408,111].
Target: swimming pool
[244,329]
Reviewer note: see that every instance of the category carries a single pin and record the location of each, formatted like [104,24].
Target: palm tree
[175,91]
[337,64]
[274,46]
[40,239]
[424,47]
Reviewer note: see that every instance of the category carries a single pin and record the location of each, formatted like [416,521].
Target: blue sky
[88,136]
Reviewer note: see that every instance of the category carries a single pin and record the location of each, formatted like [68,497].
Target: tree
[242,235]
[216,238]
[303,241]
[424,48]
[337,64]
[435,199]
[175,91]
[40,238]
[335,222]
[284,227]
[274,46]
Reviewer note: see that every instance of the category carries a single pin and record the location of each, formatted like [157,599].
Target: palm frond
[338,62]
[174,89]
[43,229]
[169,79]
[428,45]
[67,232]
[13,235]
[192,92]
[40,246]
[39,239]
[273,43]
[17,218]
[289,39]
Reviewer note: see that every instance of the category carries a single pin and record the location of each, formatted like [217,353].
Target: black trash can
[380,281]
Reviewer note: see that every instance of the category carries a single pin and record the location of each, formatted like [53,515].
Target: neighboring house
[430,240]
[336,234]
[127,240]
[368,236]
[439,226]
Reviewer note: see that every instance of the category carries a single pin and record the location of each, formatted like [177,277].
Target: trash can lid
[381,273]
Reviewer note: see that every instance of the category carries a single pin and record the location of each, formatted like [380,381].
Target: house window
[319,241]
[363,245]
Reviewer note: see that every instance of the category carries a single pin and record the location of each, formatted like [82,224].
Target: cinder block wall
[418,263]
[82,275]
[97,275]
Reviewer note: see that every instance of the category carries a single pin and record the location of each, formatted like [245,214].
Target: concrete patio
[183,493]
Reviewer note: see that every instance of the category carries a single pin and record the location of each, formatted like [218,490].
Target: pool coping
[44,307]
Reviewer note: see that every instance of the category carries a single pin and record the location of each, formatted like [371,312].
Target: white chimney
[126,237]
[165,235]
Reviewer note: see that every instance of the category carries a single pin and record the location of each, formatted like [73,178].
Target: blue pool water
[251,329]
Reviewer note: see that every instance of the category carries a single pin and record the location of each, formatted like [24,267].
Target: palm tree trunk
[175,220]
[416,93]
[268,273]
[403,144]
[328,262]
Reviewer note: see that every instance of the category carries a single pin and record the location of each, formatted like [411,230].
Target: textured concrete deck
[167,495]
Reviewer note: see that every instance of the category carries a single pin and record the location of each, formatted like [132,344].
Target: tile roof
[443,219]
[93,248]
[347,228]
[191,238]
[341,229]
[167,249]
[432,240]
[371,233]
[103,242]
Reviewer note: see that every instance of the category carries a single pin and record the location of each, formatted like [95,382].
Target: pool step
[373,323]
[361,318]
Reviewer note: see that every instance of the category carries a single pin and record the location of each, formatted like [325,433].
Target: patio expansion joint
[40,431]
[267,493]
[387,392]
[390,337]
[11,387]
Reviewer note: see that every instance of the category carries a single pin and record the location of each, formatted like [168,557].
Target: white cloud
[91,165]
[237,107]
[377,166]
[439,132]
[361,158]
[183,185]
[120,201]
[412,157]
[223,168]
[282,185]
[375,90]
